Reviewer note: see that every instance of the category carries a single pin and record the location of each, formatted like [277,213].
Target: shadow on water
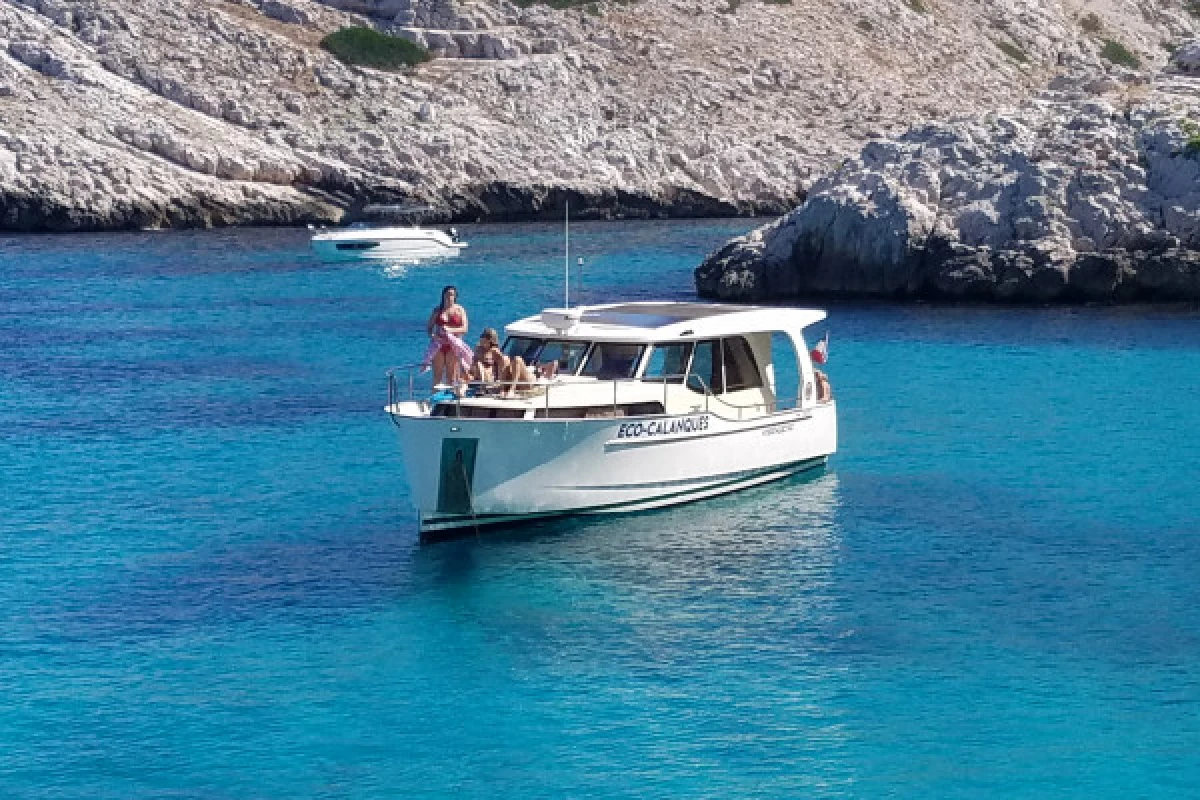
[336,573]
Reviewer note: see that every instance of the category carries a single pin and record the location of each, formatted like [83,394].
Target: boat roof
[662,321]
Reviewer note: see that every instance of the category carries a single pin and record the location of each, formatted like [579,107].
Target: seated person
[492,366]
[488,360]
[547,369]
[824,389]
[518,375]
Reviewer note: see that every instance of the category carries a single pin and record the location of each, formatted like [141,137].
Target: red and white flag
[820,353]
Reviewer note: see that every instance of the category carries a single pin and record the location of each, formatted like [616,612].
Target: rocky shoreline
[1090,193]
[495,202]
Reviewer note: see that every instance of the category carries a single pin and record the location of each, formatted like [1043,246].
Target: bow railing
[402,385]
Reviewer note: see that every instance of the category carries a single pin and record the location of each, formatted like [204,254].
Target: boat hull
[468,472]
[372,244]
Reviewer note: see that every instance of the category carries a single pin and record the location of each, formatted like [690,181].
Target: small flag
[820,353]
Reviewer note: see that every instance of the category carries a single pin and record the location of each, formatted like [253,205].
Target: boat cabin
[651,359]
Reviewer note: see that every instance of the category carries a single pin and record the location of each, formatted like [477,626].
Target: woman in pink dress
[449,355]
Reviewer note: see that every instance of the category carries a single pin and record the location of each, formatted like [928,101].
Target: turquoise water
[210,583]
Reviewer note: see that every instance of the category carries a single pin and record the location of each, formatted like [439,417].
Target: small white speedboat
[396,243]
[637,406]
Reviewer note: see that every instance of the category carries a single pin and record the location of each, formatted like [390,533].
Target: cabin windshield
[566,356]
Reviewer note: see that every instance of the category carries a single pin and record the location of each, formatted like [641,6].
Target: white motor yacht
[387,242]
[636,406]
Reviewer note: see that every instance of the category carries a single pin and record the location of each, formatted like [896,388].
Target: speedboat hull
[386,244]
[467,472]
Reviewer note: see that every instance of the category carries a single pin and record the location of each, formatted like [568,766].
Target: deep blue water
[211,586]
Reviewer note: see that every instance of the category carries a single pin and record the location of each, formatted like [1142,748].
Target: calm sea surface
[210,582]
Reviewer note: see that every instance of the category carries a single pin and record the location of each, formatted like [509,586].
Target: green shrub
[1193,7]
[1119,54]
[920,7]
[1013,52]
[1091,24]
[367,47]
[778,2]
[1191,148]
[865,25]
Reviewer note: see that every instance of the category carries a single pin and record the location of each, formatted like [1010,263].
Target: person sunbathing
[488,358]
[492,366]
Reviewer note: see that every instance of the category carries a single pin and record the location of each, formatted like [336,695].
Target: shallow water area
[211,585]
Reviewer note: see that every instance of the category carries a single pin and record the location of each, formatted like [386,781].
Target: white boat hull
[466,472]
[384,244]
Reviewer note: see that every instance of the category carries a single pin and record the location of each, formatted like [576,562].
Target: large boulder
[1068,199]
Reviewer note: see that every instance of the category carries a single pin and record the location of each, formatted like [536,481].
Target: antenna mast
[567,254]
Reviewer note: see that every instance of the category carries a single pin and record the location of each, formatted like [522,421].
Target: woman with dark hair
[449,355]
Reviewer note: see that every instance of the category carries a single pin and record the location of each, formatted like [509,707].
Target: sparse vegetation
[732,7]
[864,25]
[1190,129]
[920,7]
[1091,24]
[778,2]
[367,47]
[1012,51]
[1192,7]
[563,5]
[1170,47]
[1119,54]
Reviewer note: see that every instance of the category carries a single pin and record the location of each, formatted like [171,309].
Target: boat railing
[406,376]
[741,410]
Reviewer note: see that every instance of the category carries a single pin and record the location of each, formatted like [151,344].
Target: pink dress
[446,342]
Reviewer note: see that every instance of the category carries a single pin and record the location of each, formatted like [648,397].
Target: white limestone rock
[664,106]
[1064,199]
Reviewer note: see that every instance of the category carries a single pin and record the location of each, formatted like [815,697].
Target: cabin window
[704,375]
[524,347]
[741,370]
[785,370]
[565,356]
[610,361]
[668,362]
[476,412]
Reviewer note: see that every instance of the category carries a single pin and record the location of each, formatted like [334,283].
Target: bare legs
[446,368]
[517,375]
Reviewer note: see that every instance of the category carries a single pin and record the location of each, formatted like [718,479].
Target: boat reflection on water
[787,525]
[741,590]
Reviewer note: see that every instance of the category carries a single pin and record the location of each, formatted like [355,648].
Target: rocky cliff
[115,113]
[1090,192]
